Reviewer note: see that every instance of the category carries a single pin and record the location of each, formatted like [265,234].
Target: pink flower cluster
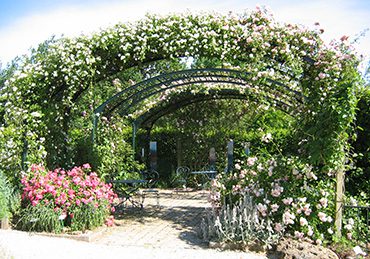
[64,189]
[277,190]
[287,195]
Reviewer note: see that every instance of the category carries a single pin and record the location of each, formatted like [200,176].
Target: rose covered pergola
[49,89]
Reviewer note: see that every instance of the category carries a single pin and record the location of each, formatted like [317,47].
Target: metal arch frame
[148,118]
[134,94]
[186,77]
[117,70]
[142,95]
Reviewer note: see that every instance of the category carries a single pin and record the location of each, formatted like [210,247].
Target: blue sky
[26,23]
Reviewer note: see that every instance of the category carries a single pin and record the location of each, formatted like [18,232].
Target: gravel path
[168,231]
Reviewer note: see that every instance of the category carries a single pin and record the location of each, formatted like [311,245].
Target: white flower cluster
[47,85]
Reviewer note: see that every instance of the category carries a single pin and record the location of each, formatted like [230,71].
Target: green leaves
[65,78]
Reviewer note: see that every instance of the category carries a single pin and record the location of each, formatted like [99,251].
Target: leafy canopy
[48,90]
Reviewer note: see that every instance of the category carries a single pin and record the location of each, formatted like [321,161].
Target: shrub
[76,199]
[285,191]
[358,178]
[114,155]
[3,206]
[9,197]
[355,221]
[239,223]
[40,217]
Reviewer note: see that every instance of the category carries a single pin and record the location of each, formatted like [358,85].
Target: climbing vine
[41,96]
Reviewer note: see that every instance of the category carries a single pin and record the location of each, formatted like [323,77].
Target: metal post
[134,130]
[212,159]
[230,155]
[142,155]
[153,155]
[94,127]
[24,153]
[247,148]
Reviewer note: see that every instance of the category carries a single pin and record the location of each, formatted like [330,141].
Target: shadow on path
[175,223]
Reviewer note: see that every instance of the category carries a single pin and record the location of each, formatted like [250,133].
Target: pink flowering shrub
[74,198]
[285,192]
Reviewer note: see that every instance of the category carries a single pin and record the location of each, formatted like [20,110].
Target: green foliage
[40,218]
[355,223]
[44,218]
[186,135]
[358,177]
[239,223]
[71,76]
[289,193]
[3,205]
[9,197]
[85,217]
[115,157]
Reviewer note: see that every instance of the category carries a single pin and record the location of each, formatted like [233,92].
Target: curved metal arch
[127,109]
[148,119]
[134,94]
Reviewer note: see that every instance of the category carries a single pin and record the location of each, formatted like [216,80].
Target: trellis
[239,86]
[291,63]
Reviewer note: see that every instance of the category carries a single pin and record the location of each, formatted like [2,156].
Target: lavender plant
[240,223]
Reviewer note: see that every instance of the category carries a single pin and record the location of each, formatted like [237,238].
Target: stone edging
[88,236]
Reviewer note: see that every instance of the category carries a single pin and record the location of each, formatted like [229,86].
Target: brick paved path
[158,233]
[175,223]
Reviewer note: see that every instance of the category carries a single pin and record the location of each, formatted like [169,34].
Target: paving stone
[168,231]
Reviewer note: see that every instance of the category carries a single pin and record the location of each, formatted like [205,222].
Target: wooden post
[339,202]
[4,223]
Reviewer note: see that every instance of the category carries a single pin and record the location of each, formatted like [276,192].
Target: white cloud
[336,17]
[72,21]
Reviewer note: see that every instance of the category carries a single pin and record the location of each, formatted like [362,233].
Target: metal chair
[127,189]
[152,178]
[182,174]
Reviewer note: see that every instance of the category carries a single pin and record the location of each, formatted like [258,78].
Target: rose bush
[72,76]
[75,198]
[285,191]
